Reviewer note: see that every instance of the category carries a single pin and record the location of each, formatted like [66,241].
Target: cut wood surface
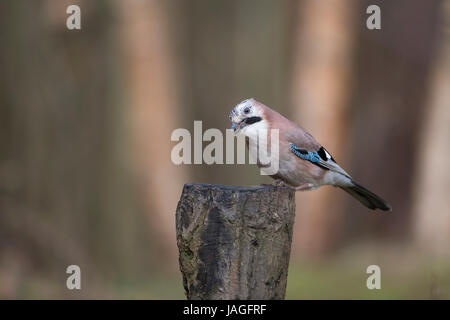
[235,242]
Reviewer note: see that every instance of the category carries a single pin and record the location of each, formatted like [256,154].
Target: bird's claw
[281,183]
[278,183]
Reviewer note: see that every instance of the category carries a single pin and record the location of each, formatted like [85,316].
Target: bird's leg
[278,183]
[281,183]
[305,187]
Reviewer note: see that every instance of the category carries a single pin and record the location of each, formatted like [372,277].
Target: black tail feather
[366,197]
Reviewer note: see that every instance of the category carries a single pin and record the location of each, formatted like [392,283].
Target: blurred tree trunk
[432,182]
[153,114]
[386,117]
[321,87]
[64,197]
[54,151]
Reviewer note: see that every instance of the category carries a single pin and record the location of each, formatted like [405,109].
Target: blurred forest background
[86,118]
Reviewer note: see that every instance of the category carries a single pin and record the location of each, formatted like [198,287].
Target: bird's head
[247,115]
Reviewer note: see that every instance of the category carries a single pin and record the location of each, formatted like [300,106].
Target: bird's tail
[366,197]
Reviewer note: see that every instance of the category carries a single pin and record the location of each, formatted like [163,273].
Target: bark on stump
[235,242]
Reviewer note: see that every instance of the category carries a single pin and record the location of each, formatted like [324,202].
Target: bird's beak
[236,127]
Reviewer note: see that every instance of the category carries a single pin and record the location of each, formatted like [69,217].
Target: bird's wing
[320,157]
[304,146]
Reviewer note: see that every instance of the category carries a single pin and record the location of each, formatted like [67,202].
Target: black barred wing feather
[320,157]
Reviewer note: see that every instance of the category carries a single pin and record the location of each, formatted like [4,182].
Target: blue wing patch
[304,154]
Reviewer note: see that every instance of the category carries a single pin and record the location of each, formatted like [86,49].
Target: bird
[304,164]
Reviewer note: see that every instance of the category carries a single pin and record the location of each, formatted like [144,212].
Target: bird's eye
[246,110]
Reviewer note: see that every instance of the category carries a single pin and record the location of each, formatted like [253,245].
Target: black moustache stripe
[251,120]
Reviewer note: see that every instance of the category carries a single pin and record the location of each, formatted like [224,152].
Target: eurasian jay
[303,163]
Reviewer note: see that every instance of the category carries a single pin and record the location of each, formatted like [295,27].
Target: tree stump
[235,242]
